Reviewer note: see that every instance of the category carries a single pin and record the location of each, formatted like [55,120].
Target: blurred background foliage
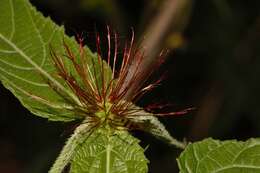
[213,64]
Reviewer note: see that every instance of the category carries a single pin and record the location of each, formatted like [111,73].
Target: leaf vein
[12,20]
[25,80]
[44,73]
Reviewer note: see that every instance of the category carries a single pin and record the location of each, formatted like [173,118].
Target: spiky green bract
[26,67]
[101,150]
[214,156]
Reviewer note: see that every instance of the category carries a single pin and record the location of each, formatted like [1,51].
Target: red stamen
[115,57]
[109,47]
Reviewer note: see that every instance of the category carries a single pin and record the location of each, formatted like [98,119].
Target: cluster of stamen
[101,90]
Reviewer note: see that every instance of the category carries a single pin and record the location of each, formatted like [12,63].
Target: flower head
[103,91]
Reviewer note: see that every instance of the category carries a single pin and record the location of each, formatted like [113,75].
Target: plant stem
[79,135]
[178,144]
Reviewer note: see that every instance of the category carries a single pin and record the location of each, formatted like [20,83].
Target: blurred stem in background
[171,19]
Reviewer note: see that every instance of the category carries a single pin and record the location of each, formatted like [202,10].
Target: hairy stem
[79,135]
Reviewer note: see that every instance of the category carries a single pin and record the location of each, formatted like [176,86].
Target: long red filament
[94,94]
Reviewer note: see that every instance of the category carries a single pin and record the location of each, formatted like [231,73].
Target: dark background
[214,66]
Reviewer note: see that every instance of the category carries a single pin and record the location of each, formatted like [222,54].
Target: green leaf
[25,37]
[25,62]
[214,156]
[101,150]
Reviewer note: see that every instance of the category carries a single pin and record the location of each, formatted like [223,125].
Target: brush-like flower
[104,95]
[102,92]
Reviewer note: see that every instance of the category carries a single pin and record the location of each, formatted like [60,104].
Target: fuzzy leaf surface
[103,152]
[214,156]
[98,149]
